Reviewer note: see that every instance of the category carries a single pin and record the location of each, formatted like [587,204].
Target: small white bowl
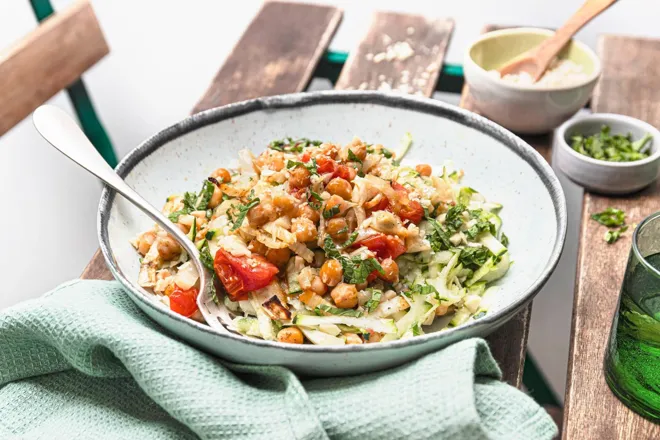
[599,175]
[526,109]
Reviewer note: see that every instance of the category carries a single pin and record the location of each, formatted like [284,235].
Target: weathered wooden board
[277,53]
[630,85]
[47,60]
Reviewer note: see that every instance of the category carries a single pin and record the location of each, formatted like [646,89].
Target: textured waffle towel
[83,362]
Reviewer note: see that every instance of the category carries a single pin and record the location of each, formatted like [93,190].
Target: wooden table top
[282,55]
[630,85]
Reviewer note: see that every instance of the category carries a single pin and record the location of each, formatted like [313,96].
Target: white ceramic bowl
[501,165]
[526,109]
[599,175]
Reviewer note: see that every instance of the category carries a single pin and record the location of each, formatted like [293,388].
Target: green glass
[632,362]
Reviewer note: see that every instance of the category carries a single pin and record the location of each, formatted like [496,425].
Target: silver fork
[64,134]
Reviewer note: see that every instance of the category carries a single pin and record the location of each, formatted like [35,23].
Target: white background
[163,55]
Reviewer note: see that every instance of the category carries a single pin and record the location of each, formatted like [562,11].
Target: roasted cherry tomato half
[240,275]
[184,302]
[384,246]
[404,207]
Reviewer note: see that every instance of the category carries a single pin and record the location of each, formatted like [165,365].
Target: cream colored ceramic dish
[528,109]
[504,167]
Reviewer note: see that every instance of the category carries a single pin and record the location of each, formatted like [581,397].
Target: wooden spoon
[535,61]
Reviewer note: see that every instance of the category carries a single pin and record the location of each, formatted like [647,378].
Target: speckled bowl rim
[560,135]
[527,88]
[300,100]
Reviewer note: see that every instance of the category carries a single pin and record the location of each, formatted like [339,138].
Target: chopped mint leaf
[352,157]
[242,212]
[373,303]
[613,235]
[336,311]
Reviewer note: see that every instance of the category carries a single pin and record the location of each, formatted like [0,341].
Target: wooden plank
[630,84]
[277,53]
[398,52]
[48,60]
[300,49]
[509,343]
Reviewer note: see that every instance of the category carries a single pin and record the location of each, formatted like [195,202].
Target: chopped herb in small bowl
[612,147]
[608,153]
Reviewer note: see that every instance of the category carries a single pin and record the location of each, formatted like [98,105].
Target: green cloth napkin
[83,362]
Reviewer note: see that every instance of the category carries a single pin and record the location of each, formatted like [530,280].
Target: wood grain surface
[276,50]
[630,84]
[277,53]
[398,52]
[48,60]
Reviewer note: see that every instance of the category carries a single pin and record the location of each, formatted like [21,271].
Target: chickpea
[284,205]
[221,175]
[299,177]
[352,338]
[335,205]
[424,169]
[184,228]
[279,257]
[358,148]
[290,335]
[145,241]
[276,162]
[257,247]
[331,272]
[337,228]
[318,286]
[216,198]
[362,286]
[345,296]
[308,212]
[273,160]
[340,187]
[304,228]
[261,214]
[375,337]
[168,248]
[391,270]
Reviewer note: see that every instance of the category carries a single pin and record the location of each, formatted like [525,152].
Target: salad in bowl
[328,244]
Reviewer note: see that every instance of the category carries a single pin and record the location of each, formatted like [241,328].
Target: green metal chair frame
[89,121]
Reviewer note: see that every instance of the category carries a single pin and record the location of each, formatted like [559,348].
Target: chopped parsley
[352,157]
[210,234]
[193,202]
[612,148]
[504,240]
[610,217]
[351,239]
[454,218]
[474,257]
[336,311]
[316,195]
[329,213]
[356,270]
[422,289]
[373,303]
[479,227]
[290,145]
[439,237]
[311,166]
[242,212]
